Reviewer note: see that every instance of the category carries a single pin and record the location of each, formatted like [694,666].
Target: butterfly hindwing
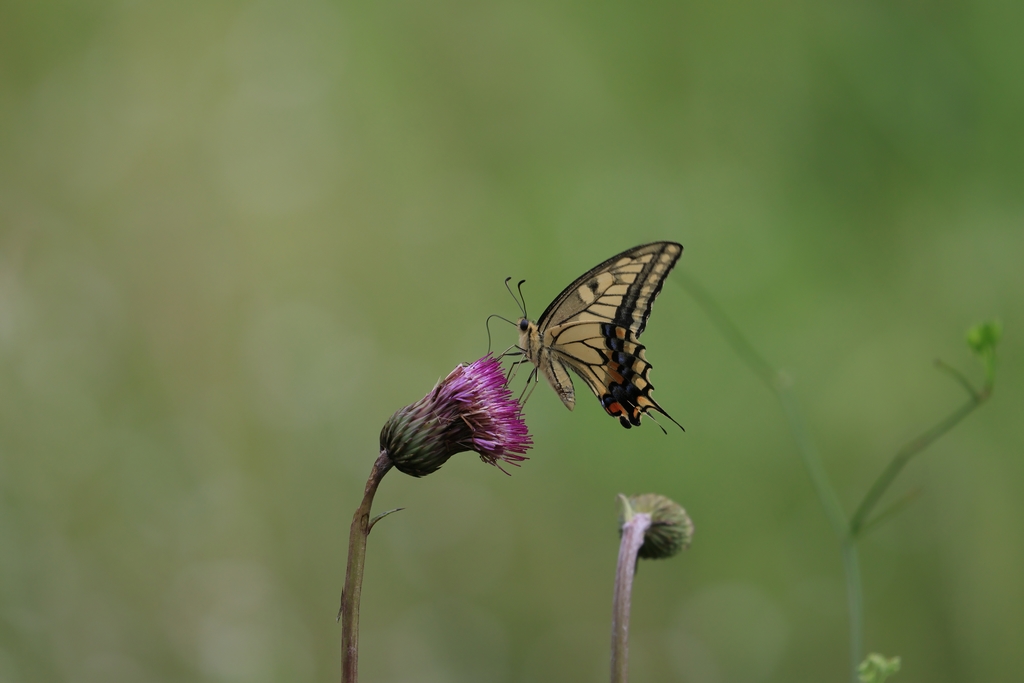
[593,328]
[613,364]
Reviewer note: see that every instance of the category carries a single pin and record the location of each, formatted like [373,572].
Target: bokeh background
[236,236]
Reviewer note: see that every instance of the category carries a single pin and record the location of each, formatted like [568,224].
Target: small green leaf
[876,668]
[982,338]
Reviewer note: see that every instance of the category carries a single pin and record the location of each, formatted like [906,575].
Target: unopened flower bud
[671,529]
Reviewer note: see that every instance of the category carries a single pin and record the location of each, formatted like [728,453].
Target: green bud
[984,337]
[671,529]
[876,668]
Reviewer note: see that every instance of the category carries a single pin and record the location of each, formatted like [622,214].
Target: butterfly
[593,328]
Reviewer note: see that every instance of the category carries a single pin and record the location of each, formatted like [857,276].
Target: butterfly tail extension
[661,410]
[630,411]
[628,391]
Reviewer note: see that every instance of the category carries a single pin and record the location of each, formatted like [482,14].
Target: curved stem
[743,348]
[904,455]
[889,512]
[349,612]
[848,533]
[960,378]
[780,385]
[812,463]
[633,531]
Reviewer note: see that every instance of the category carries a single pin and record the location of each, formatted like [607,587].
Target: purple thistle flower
[471,409]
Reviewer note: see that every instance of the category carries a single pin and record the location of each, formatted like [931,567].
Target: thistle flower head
[469,410]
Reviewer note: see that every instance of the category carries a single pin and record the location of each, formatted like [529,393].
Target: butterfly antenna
[518,302]
[487,324]
[522,298]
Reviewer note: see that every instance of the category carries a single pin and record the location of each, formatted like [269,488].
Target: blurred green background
[235,237]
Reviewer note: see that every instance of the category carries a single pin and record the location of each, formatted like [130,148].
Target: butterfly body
[593,328]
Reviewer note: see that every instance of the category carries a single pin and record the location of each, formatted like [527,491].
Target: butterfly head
[529,339]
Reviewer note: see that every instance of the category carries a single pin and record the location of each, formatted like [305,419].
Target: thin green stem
[900,460]
[780,385]
[848,533]
[960,378]
[989,360]
[812,463]
[761,367]
[855,604]
[889,512]
[349,612]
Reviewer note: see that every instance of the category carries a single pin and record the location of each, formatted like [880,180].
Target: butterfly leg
[513,369]
[509,352]
[531,384]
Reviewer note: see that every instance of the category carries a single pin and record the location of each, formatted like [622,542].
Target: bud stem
[633,530]
[349,612]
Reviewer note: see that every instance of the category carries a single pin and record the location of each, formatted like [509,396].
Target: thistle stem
[632,538]
[349,613]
